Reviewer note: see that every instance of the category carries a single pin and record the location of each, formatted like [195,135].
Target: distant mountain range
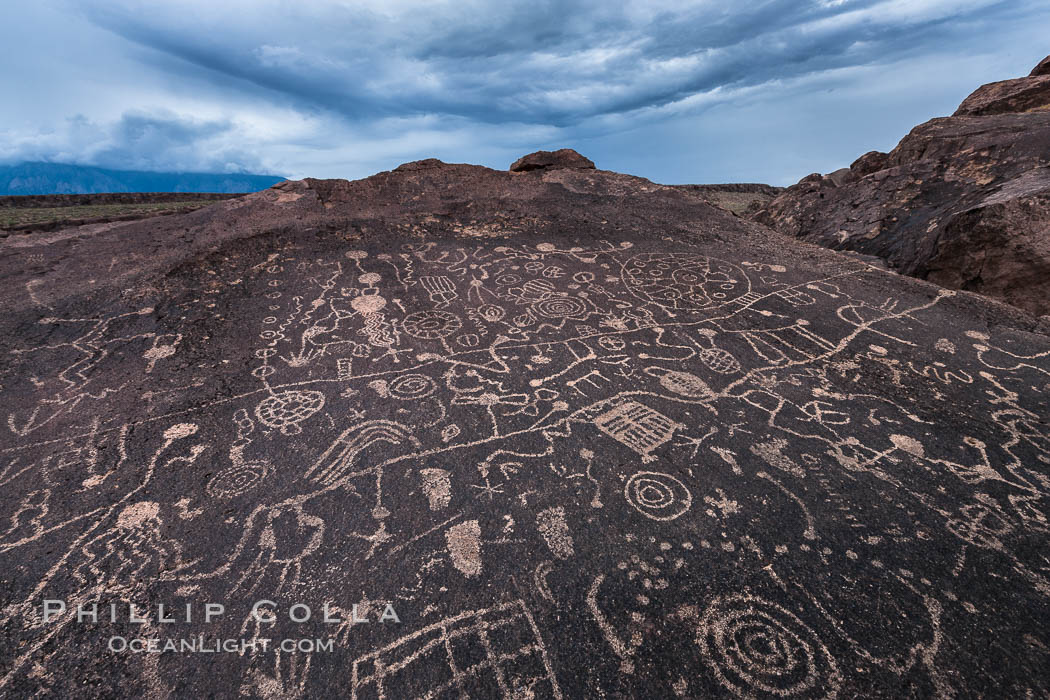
[66,178]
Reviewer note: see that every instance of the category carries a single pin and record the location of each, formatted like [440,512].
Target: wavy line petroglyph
[535,448]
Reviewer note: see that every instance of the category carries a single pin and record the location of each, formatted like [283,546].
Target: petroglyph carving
[638,427]
[437,486]
[658,496]
[237,479]
[755,646]
[715,358]
[441,658]
[555,530]
[682,383]
[452,424]
[431,325]
[464,547]
[411,386]
[684,280]
[286,410]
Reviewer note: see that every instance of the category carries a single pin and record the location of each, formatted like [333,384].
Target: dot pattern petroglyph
[706,478]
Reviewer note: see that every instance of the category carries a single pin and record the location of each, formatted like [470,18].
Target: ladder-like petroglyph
[764,478]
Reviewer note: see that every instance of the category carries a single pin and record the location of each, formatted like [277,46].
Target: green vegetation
[13,218]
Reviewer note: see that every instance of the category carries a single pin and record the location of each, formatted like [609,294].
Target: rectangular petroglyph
[638,427]
[495,652]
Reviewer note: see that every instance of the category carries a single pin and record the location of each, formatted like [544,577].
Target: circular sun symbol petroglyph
[491,312]
[560,307]
[684,280]
[755,646]
[411,386]
[237,479]
[368,303]
[286,410]
[431,325]
[658,496]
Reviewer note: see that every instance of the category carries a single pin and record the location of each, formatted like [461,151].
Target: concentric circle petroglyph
[756,647]
[560,307]
[684,280]
[236,480]
[491,312]
[411,386]
[287,409]
[431,325]
[658,496]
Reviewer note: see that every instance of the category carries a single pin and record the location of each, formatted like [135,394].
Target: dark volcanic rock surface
[961,200]
[1042,69]
[587,436]
[45,201]
[1008,96]
[542,160]
[743,199]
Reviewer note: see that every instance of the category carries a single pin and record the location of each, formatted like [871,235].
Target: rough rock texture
[1042,69]
[743,199]
[586,436]
[43,201]
[1008,96]
[960,201]
[53,212]
[544,160]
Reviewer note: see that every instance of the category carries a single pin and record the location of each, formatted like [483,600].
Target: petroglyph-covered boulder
[555,435]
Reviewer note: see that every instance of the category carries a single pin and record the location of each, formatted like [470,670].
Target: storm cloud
[676,91]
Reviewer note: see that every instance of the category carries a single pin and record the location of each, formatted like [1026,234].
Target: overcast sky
[676,91]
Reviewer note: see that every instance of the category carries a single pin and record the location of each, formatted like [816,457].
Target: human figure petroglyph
[112,547]
[517,416]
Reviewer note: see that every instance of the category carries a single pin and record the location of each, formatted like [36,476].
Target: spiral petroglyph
[560,307]
[756,648]
[237,479]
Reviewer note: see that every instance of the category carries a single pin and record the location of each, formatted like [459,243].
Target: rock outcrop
[549,160]
[1008,97]
[1042,69]
[743,199]
[961,201]
[556,434]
